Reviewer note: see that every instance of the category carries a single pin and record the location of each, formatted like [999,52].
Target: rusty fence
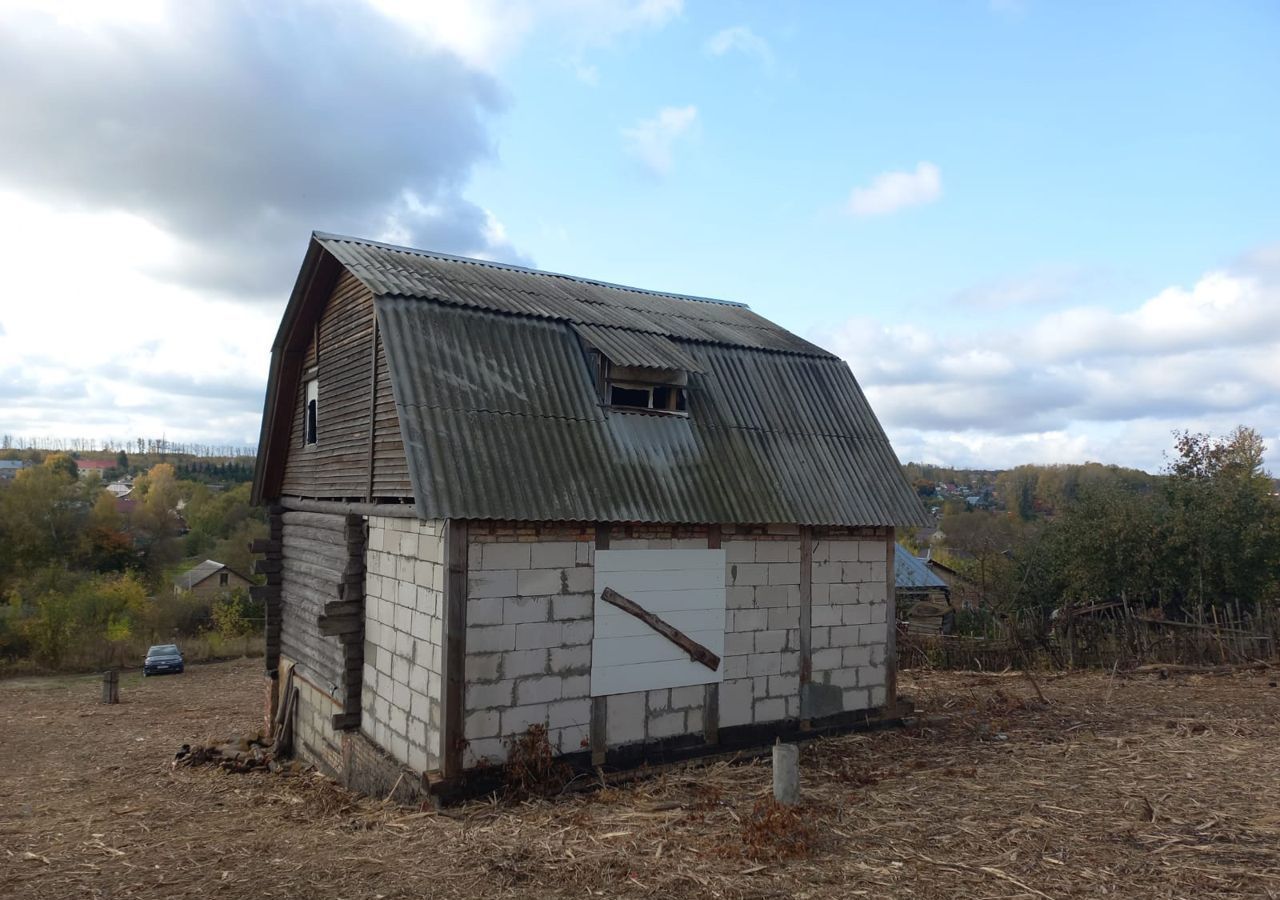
[1102,636]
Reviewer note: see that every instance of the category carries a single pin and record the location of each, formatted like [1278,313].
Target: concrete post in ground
[111,686]
[786,773]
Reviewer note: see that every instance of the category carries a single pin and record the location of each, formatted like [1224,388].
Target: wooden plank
[713,537]
[373,405]
[711,713]
[455,646]
[891,616]
[806,606]
[599,730]
[696,651]
[394,510]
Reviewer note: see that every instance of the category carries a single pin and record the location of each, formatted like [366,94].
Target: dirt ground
[1118,787]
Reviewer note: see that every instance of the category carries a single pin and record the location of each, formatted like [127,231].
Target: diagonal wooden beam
[696,651]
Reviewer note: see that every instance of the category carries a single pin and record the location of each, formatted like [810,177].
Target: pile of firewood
[238,753]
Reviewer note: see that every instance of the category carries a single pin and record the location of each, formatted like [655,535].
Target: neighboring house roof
[199,572]
[911,573]
[501,419]
[14,463]
[95,464]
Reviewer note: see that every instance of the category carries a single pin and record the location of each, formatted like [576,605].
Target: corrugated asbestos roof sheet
[501,420]
[636,348]
[911,573]
[399,271]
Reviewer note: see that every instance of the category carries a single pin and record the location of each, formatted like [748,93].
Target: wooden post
[599,725]
[111,686]
[806,622]
[455,646]
[891,618]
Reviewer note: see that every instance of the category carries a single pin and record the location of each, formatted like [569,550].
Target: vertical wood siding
[337,465]
[390,465]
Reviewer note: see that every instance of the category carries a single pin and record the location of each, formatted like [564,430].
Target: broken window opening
[312,412]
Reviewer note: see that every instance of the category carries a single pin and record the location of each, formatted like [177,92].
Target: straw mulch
[1118,787]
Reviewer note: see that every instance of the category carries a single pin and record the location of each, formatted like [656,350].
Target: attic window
[223,579]
[651,390]
[311,412]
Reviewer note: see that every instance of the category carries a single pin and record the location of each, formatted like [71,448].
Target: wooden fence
[1102,636]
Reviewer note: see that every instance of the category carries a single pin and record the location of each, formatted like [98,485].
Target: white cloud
[486,33]
[652,141]
[892,191]
[1082,383]
[741,39]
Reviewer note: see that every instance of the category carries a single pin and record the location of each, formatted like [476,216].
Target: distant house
[120,489]
[923,597]
[11,467]
[87,467]
[210,579]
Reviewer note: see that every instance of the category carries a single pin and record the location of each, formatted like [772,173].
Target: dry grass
[1136,787]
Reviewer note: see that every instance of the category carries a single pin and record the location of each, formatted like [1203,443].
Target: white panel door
[685,588]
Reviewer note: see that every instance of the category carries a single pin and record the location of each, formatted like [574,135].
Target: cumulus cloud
[652,141]
[740,39]
[1081,383]
[209,123]
[891,191]
[485,33]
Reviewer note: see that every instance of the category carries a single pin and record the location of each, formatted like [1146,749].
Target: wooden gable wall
[353,458]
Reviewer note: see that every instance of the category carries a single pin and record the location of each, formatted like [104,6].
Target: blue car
[163,659]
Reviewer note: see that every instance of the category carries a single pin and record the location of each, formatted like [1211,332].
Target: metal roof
[501,419]
[198,573]
[912,574]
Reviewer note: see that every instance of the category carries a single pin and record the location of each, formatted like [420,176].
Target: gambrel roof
[501,417]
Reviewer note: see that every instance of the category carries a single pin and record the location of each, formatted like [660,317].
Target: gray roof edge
[433,254]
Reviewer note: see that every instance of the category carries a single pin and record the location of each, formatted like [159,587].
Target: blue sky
[1038,231]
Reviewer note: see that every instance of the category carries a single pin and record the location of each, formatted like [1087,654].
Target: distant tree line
[153,446]
[86,579]
[1203,534]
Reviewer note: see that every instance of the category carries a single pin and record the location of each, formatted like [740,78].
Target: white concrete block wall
[849,619]
[529,633]
[762,630]
[404,639]
[528,640]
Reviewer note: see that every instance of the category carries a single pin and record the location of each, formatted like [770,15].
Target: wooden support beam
[711,713]
[697,652]
[599,729]
[891,616]
[455,646]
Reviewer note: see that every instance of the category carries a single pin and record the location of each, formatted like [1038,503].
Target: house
[89,467]
[120,489]
[655,524]
[210,579]
[923,598]
[9,468]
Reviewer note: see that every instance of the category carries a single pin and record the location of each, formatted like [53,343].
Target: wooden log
[264,545]
[697,652]
[267,566]
[334,626]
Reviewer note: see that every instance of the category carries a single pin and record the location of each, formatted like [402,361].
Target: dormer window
[311,412]
[669,398]
[650,390]
[639,371]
